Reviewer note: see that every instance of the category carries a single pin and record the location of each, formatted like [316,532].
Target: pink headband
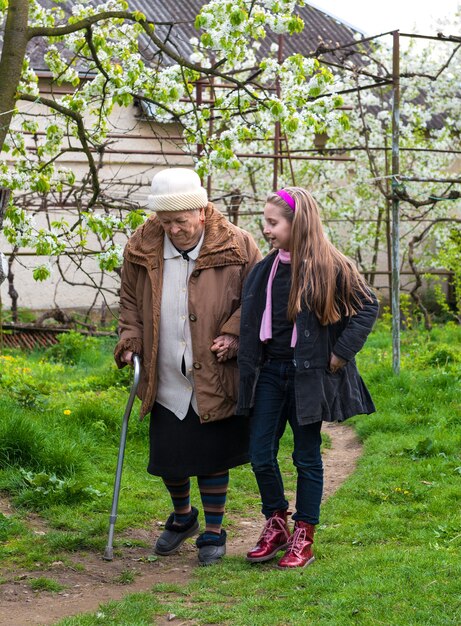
[288,199]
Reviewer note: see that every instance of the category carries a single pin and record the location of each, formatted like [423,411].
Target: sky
[377,17]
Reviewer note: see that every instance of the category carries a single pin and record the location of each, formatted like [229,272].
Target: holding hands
[225,347]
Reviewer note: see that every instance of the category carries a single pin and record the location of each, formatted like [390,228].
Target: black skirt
[182,448]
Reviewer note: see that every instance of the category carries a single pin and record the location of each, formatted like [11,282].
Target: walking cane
[109,552]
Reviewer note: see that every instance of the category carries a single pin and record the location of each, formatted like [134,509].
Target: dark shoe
[274,537]
[175,535]
[299,552]
[210,551]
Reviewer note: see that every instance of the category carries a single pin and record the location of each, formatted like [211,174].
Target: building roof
[320,29]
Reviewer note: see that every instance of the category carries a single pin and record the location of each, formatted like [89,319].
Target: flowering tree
[98,55]
[356,196]
[95,53]
[428,184]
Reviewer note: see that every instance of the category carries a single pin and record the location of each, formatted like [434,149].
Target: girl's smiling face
[277,228]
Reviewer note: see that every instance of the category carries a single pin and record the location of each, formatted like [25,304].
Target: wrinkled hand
[225,347]
[336,363]
[127,357]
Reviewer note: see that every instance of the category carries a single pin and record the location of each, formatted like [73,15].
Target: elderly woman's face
[184,228]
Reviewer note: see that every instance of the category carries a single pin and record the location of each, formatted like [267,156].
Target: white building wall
[132,158]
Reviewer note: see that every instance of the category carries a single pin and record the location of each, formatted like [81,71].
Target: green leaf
[41,273]
[292,124]
[295,25]
[238,16]
[200,21]
[276,108]
[206,40]
[135,219]
[42,184]
[138,16]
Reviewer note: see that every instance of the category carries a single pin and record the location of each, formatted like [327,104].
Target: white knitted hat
[177,189]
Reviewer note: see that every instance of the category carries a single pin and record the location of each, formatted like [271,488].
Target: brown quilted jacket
[226,257]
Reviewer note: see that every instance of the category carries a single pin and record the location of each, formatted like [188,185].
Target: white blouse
[176,390]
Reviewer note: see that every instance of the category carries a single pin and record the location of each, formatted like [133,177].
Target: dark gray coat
[320,395]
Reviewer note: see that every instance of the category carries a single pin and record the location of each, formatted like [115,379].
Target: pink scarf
[265,332]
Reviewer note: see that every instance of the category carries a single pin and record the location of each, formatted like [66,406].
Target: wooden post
[395,235]
[277,157]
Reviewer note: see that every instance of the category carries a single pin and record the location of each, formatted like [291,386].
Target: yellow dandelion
[67,412]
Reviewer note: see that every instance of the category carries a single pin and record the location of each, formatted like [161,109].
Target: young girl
[306,312]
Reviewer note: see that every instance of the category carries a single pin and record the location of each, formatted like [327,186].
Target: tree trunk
[11,289]
[14,49]
[4,197]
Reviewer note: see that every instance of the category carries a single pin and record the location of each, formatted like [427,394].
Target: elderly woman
[180,311]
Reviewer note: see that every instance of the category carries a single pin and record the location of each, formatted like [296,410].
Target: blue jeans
[274,407]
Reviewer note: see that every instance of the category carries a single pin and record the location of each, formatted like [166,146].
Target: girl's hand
[225,347]
[336,363]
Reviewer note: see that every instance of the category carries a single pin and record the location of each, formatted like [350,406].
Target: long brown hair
[326,279]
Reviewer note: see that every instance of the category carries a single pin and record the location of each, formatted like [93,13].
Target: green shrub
[28,379]
[42,490]
[102,410]
[72,347]
[443,355]
[109,377]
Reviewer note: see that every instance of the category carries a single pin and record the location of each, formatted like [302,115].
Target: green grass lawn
[389,543]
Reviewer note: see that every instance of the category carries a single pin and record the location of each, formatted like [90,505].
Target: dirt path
[93,581]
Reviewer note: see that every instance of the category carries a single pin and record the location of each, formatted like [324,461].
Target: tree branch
[78,119]
[11,60]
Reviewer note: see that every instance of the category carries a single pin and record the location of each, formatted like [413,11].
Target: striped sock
[213,492]
[180,497]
